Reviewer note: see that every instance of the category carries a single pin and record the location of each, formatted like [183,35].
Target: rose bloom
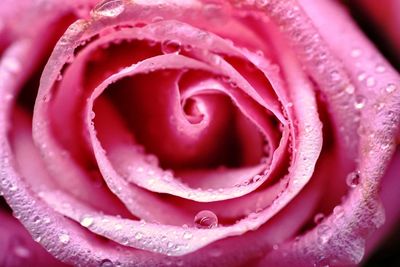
[195,133]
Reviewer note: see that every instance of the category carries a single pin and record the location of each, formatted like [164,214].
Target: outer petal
[340,239]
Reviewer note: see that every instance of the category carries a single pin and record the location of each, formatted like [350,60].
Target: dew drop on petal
[12,65]
[390,88]
[256,178]
[338,211]
[17,253]
[370,82]
[356,52]
[353,179]
[359,102]
[64,238]
[171,47]
[324,234]
[318,218]
[138,236]
[349,89]
[157,19]
[106,263]
[109,8]
[36,219]
[335,76]
[362,76]
[206,219]
[289,105]
[215,252]
[87,221]
[187,235]
[19,248]
[380,69]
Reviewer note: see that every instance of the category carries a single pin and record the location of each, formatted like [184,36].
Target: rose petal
[362,213]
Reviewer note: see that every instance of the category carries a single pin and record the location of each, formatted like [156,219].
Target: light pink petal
[163,184]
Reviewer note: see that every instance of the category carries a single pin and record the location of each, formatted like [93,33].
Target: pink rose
[194,133]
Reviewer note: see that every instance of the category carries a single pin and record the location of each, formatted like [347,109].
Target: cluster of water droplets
[370,80]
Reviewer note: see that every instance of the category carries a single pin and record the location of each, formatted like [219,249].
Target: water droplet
[318,218]
[212,11]
[349,89]
[109,8]
[335,75]
[215,253]
[370,82]
[356,52]
[380,69]
[19,248]
[12,65]
[171,46]
[36,219]
[260,53]
[390,88]
[385,146]
[87,221]
[361,77]
[92,115]
[187,235]
[64,238]
[170,244]
[360,102]
[46,98]
[308,128]
[257,178]
[106,263]
[275,247]
[338,211]
[262,3]
[38,239]
[157,19]
[324,234]
[379,106]
[206,219]
[138,236]
[151,159]
[13,188]
[46,220]
[18,253]
[353,179]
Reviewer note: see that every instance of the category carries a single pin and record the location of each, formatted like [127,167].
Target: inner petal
[159,122]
